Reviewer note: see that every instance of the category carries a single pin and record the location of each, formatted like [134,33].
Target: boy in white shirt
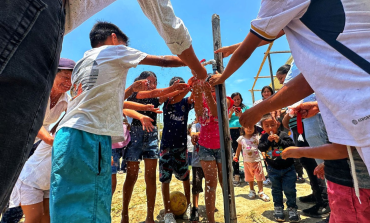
[329,40]
[81,166]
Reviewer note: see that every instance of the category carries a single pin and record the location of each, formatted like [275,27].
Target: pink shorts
[252,170]
[344,205]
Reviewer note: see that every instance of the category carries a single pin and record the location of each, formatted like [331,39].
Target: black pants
[31,36]
[235,133]
[318,186]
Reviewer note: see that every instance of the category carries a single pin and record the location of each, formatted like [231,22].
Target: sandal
[263,196]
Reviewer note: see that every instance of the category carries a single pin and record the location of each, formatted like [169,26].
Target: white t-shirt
[52,115]
[341,86]
[98,87]
[160,12]
[36,171]
[250,149]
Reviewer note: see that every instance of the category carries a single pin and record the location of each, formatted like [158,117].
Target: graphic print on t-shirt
[87,81]
[274,153]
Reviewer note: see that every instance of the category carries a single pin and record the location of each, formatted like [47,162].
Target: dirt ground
[256,211]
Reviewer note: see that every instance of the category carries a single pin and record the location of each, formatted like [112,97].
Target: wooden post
[271,73]
[223,124]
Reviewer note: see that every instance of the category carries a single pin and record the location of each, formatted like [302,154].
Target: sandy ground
[247,210]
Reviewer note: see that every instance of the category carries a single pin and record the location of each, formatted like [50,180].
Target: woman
[235,112]
[265,92]
[31,190]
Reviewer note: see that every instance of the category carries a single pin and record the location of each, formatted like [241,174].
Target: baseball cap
[66,64]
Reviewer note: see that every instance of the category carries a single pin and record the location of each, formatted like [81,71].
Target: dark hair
[189,127]
[241,98]
[145,74]
[283,69]
[268,87]
[102,30]
[265,117]
[175,79]
[242,132]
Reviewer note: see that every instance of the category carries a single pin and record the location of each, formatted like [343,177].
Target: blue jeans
[118,154]
[31,35]
[283,180]
[143,145]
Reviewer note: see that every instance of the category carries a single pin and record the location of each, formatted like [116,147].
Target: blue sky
[235,24]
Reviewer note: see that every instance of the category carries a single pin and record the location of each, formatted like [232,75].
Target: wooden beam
[223,124]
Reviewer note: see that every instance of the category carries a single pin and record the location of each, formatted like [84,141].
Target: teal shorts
[80,187]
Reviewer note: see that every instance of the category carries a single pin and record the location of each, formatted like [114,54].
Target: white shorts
[26,195]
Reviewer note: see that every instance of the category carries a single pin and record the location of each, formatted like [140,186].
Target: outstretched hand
[216,79]
[291,152]
[150,107]
[179,86]
[307,109]
[319,171]
[250,117]
[226,51]
[147,123]
[140,85]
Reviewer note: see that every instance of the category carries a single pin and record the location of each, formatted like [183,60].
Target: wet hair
[268,87]
[145,75]
[283,69]
[265,117]
[102,30]
[241,98]
[175,79]
[242,132]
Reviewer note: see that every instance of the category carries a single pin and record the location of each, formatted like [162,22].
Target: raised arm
[146,121]
[163,61]
[137,86]
[209,99]
[198,98]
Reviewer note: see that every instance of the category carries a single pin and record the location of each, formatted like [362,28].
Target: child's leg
[289,182]
[151,187]
[195,200]
[276,186]
[251,185]
[128,187]
[260,186]
[210,174]
[46,215]
[166,197]
[33,213]
[186,185]
[198,176]
[249,175]
[114,183]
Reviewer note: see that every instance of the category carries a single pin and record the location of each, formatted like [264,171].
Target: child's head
[172,81]
[248,131]
[151,77]
[282,72]
[189,129]
[269,125]
[106,33]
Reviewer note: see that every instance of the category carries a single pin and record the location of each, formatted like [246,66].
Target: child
[144,144]
[281,172]
[173,152]
[80,188]
[252,161]
[190,146]
[209,142]
[197,170]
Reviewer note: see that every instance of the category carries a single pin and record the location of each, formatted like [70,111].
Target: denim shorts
[143,144]
[206,154]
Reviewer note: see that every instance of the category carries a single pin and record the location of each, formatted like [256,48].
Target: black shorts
[173,160]
[198,176]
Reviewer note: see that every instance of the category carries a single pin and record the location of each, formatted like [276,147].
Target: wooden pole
[271,73]
[223,124]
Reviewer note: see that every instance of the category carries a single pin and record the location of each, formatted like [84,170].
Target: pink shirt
[209,134]
[123,143]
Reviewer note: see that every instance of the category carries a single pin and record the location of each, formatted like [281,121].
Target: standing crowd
[70,174]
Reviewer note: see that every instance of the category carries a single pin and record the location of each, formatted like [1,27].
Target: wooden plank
[223,123]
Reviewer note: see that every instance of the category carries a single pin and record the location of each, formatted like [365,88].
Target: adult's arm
[325,152]
[45,136]
[161,91]
[295,90]
[173,31]
[162,61]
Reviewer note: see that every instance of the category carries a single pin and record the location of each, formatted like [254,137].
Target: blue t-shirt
[175,118]
[234,120]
